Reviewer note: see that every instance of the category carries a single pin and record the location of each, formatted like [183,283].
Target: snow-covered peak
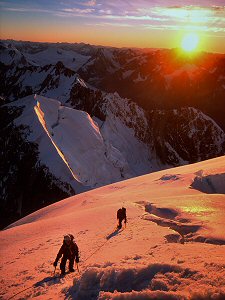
[41,55]
[80,144]
[11,55]
[51,55]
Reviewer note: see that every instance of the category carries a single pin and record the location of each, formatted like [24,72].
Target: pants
[63,263]
[120,224]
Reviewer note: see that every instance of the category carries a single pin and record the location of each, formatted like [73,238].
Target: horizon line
[108,46]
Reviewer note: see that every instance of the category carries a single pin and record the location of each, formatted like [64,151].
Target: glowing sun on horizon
[190,42]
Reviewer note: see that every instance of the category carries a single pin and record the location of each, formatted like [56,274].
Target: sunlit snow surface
[173,246]
[95,155]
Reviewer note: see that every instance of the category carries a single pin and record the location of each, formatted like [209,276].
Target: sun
[190,42]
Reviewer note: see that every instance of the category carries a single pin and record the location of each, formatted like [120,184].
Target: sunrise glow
[117,23]
[190,42]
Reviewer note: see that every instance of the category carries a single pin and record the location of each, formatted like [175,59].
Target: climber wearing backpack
[68,250]
[121,215]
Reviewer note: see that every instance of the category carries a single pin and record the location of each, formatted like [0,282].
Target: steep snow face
[96,156]
[121,147]
[172,246]
[126,128]
[47,153]
[78,141]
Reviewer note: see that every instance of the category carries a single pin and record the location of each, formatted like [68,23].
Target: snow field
[149,259]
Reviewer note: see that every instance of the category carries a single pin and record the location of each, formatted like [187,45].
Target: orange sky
[144,25]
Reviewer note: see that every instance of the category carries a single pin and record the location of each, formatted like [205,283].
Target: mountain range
[75,117]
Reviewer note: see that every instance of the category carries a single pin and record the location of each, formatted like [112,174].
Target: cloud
[114,24]
[79,10]
[155,14]
[24,9]
[90,3]
[194,15]
[185,28]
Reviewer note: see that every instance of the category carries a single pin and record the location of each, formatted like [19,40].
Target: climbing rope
[52,278]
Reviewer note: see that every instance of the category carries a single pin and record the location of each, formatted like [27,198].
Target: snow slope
[41,55]
[78,141]
[37,135]
[173,246]
[51,55]
[95,156]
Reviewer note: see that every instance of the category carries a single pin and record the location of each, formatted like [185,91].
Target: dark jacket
[121,214]
[70,251]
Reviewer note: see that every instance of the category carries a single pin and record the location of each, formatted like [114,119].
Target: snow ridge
[80,144]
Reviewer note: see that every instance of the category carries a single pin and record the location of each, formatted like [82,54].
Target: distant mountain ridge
[138,100]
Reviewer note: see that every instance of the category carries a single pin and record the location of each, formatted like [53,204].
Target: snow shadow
[182,229]
[98,281]
[173,238]
[209,184]
[185,230]
[50,280]
[162,212]
[170,177]
[114,233]
[166,217]
[207,240]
